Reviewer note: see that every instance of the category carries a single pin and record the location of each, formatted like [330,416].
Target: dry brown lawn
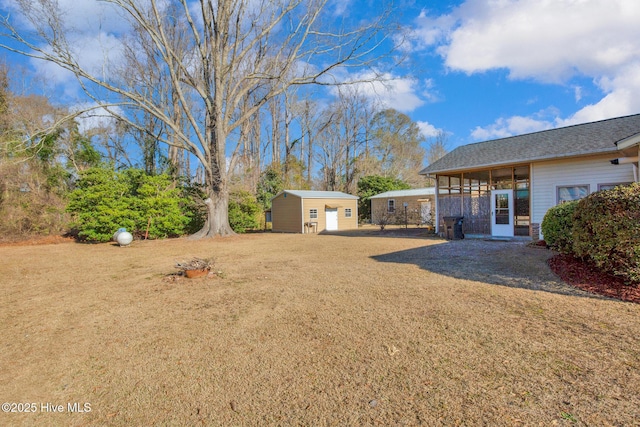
[308,330]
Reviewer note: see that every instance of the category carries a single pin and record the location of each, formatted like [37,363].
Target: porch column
[437,199]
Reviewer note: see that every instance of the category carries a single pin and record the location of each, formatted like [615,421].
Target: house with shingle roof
[505,186]
[307,211]
[414,206]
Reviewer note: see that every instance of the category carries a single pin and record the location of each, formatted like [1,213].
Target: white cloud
[549,41]
[341,7]
[429,93]
[92,30]
[389,91]
[77,15]
[577,93]
[428,130]
[96,53]
[621,98]
[428,31]
[505,127]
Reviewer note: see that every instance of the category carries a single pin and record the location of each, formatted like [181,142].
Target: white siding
[547,176]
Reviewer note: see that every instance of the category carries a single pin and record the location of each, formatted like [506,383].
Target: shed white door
[331,216]
[502,213]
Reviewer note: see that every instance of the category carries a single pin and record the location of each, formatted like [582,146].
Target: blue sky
[487,69]
[479,69]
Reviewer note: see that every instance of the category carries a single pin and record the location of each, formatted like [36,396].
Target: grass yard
[311,330]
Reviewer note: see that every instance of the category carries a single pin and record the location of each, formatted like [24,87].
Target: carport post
[405,204]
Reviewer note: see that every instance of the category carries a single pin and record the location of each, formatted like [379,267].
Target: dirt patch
[312,330]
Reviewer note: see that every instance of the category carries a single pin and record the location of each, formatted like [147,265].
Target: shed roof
[572,141]
[310,194]
[414,192]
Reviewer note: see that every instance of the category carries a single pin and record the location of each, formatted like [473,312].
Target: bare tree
[143,68]
[251,156]
[308,121]
[355,111]
[229,49]
[276,111]
[330,149]
[436,147]
[340,139]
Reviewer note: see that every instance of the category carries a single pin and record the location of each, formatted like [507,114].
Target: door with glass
[502,213]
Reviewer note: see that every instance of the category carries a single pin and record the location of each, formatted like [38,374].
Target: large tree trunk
[217,203]
[217,223]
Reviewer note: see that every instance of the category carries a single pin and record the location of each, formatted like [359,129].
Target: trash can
[453,227]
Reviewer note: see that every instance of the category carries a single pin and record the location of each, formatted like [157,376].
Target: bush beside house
[557,227]
[606,230]
[601,228]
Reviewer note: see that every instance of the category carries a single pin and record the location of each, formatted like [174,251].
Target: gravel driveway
[506,263]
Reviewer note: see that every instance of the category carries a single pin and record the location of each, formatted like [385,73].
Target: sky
[487,69]
[478,70]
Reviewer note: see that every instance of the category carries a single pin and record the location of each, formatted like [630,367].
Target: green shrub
[158,200]
[607,231]
[244,211]
[557,226]
[105,200]
[101,205]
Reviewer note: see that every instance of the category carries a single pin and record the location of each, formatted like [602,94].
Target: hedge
[606,230]
[557,226]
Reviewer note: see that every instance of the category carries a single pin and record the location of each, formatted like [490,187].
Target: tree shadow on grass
[505,263]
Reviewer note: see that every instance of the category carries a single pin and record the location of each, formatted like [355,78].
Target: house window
[567,193]
[391,206]
[347,212]
[313,213]
[610,186]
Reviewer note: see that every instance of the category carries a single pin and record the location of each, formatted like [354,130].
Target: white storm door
[331,216]
[502,213]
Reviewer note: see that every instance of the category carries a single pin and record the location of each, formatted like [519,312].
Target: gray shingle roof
[571,141]
[415,192]
[309,194]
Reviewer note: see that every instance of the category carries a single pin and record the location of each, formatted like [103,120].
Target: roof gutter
[516,162]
